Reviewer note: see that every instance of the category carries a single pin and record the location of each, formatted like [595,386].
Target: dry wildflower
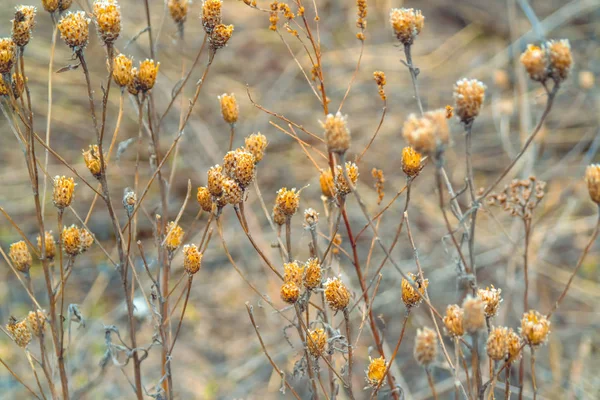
[71,240]
[535,328]
[449,111]
[336,294]
[337,242]
[469,95]
[427,134]
[7,55]
[410,296]
[560,58]
[290,292]
[288,201]
[312,274]
[86,239]
[491,298]
[337,134]
[592,177]
[20,256]
[293,272]
[326,182]
[453,321]
[278,216]
[122,70]
[178,10]
[361,22]
[241,168]
[37,321]
[23,24]
[380,80]
[174,236]
[49,244]
[146,75]
[74,30]
[407,24]
[129,200]
[311,218]
[520,198]
[215,180]
[534,59]
[4,88]
[316,342]
[20,332]
[376,371]
[273,15]
[64,189]
[220,36]
[232,192]
[411,161]
[50,5]
[92,160]
[204,199]
[497,344]
[64,5]
[256,144]
[586,80]
[379,183]
[514,346]
[286,11]
[342,187]
[107,16]
[426,346]
[474,316]
[18,84]
[134,83]
[229,108]
[192,259]
[211,14]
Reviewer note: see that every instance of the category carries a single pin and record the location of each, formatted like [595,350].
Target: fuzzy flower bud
[411,161]
[75,240]
[146,75]
[336,294]
[220,36]
[178,10]
[20,333]
[122,70]
[535,62]
[20,256]
[427,134]
[407,24]
[376,371]
[326,182]
[560,58]
[410,297]
[64,189]
[50,5]
[469,95]
[129,200]
[64,5]
[278,216]
[491,298]
[592,178]
[426,346]
[107,16]
[232,192]
[7,55]
[37,322]
[288,201]
[239,165]
[514,346]
[229,108]
[293,272]
[534,328]
[74,30]
[174,236]
[453,321]
[92,161]
[342,187]
[22,25]
[256,144]
[211,14]
[290,292]
[474,317]
[192,258]
[204,199]
[316,342]
[215,180]
[497,344]
[311,218]
[312,274]
[337,134]
[49,245]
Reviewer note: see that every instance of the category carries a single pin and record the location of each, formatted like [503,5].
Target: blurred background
[218,355]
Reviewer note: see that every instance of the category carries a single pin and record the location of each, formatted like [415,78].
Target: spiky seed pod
[290,292]
[74,30]
[453,321]
[429,133]
[592,178]
[380,80]
[20,333]
[426,346]
[64,5]
[229,108]
[86,239]
[174,236]
[311,218]
[327,184]
[514,346]
[407,24]
[232,192]
[312,274]
[211,14]
[497,343]
[122,66]
[256,144]
[220,36]
[410,296]
[92,160]
[376,371]
[204,199]
[192,259]
[342,187]
[239,165]
[37,322]
[7,55]
[146,76]
[71,240]
[20,256]
[129,200]
[23,24]
[492,299]
[469,95]
[49,244]
[278,216]
[215,180]
[134,84]
[336,294]
[288,201]
[50,5]
[411,161]
[316,342]
[178,10]
[64,189]
[560,58]
[18,84]
[474,316]
[107,16]
[535,328]
[535,61]
[293,272]
[337,134]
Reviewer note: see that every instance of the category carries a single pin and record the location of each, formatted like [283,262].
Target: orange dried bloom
[474,316]
[229,108]
[4,90]
[376,371]
[336,294]
[204,199]
[535,328]
[337,134]
[337,241]
[64,189]
[560,58]
[534,59]
[469,95]
[174,236]
[454,320]
[86,240]
[316,342]
[74,30]
[592,177]
[20,256]
[37,322]
[293,272]
[380,80]
[146,76]
[312,273]
[274,15]
[239,165]
[290,292]
[122,70]
[220,36]
[256,144]
[92,160]
[407,24]
[64,5]
[278,216]
[49,244]
[71,238]
[20,332]
[232,191]
[491,298]
[134,83]
[211,14]
[326,182]
[50,5]
[379,184]
[497,344]
[192,258]
[361,22]
[107,16]
[23,24]
[7,55]
[178,10]
[428,133]
[287,12]
[410,296]
[426,346]
[514,346]
[215,180]
[411,161]
[342,187]
[18,84]
[288,201]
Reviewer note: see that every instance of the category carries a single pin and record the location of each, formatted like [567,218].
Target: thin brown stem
[350,351]
[431,384]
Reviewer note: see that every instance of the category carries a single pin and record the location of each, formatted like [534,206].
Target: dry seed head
[288,201]
[134,84]
[64,5]
[361,22]
[337,134]
[453,320]
[37,322]
[86,239]
[23,24]
[497,344]
[211,14]
[336,294]
[50,5]
[192,258]
[49,244]
[290,292]
[380,80]
[71,240]
[469,95]
[560,58]
[204,199]
[4,91]
[514,345]
[7,55]
[312,273]
[239,165]
[92,160]
[64,188]
[278,216]
[534,59]
[316,342]
[427,134]
[474,316]
[379,183]
[220,36]
[174,236]
[129,200]
[293,272]
[491,298]
[107,15]
[311,218]
[122,70]
[215,180]
[326,182]
[18,84]
[337,241]
[20,256]
[146,76]
[426,346]
[229,108]
[178,10]
[74,30]
[535,328]
[407,24]
[592,177]
[410,296]
[256,144]
[376,371]
[232,192]
[586,80]
[342,187]
[20,333]
[273,15]
[411,161]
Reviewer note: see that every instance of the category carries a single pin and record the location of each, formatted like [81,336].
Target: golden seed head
[312,273]
[49,244]
[192,258]
[239,165]
[337,241]
[474,316]
[293,272]
[407,24]
[492,299]
[74,30]
[379,184]
[211,14]
[229,108]
[411,161]
[122,70]
[514,345]
[37,322]
[560,58]
[215,180]
[256,144]
[64,5]
[129,200]
[18,84]
[92,160]
[337,134]
[592,177]
[75,240]
[273,15]
[50,5]
[3,87]
[232,192]
[220,36]
[535,328]
[327,185]
[534,59]
[278,216]
[316,342]
[376,371]
[361,22]
[146,75]
[410,296]
[64,189]
[7,55]
[134,83]
[288,201]
[311,218]
[342,187]
[428,133]
[336,294]
[20,256]
[107,15]
[586,80]
[20,333]
[86,240]
[178,10]
[454,320]
[290,292]
[497,343]
[204,199]
[23,24]
[469,95]
[379,77]
[174,236]
[426,346]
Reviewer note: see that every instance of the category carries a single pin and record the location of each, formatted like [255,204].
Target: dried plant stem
[476,362]
[471,185]
[507,383]
[350,351]
[35,374]
[187,297]
[288,237]
[49,112]
[533,379]
[526,265]
[414,72]
[231,135]
[18,379]
[311,375]
[431,384]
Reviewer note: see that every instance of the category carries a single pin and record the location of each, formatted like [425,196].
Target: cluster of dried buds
[520,198]
[299,278]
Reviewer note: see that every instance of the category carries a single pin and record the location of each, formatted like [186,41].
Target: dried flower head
[336,294]
[20,256]
[4,88]
[192,259]
[215,180]
[337,134]
[411,161]
[174,236]
[92,160]
[592,177]
[20,332]
[49,244]
[491,298]
[342,187]
[520,198]
[229,108]
[361,22]
[64,5]
[469,95]
[426,346]
[535,328]
[256,144]
[316,342]
[514,346]
[178,10]
[410,296]
[453,321]
[290,292]
[146,75]
[211,14]
[122,70]
[86,239]
[326,182]
[380,80]
[134,83]
[497,343]
[311,218]
[204,199]
[50,5]
[220,36]
[376,371]
[71,240]
[312,274]
[239,165]
[407,24]
[560,58]
[379,183]
[107,16]
[7,55]
[293,272]
[64,189]
[129,200]
[288,201]
[474,316]
[534,59]
[273,15]
[37,321]
[337,241]
[278,216]
[74,30]
[232,192]
[427,134]
[23,24]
